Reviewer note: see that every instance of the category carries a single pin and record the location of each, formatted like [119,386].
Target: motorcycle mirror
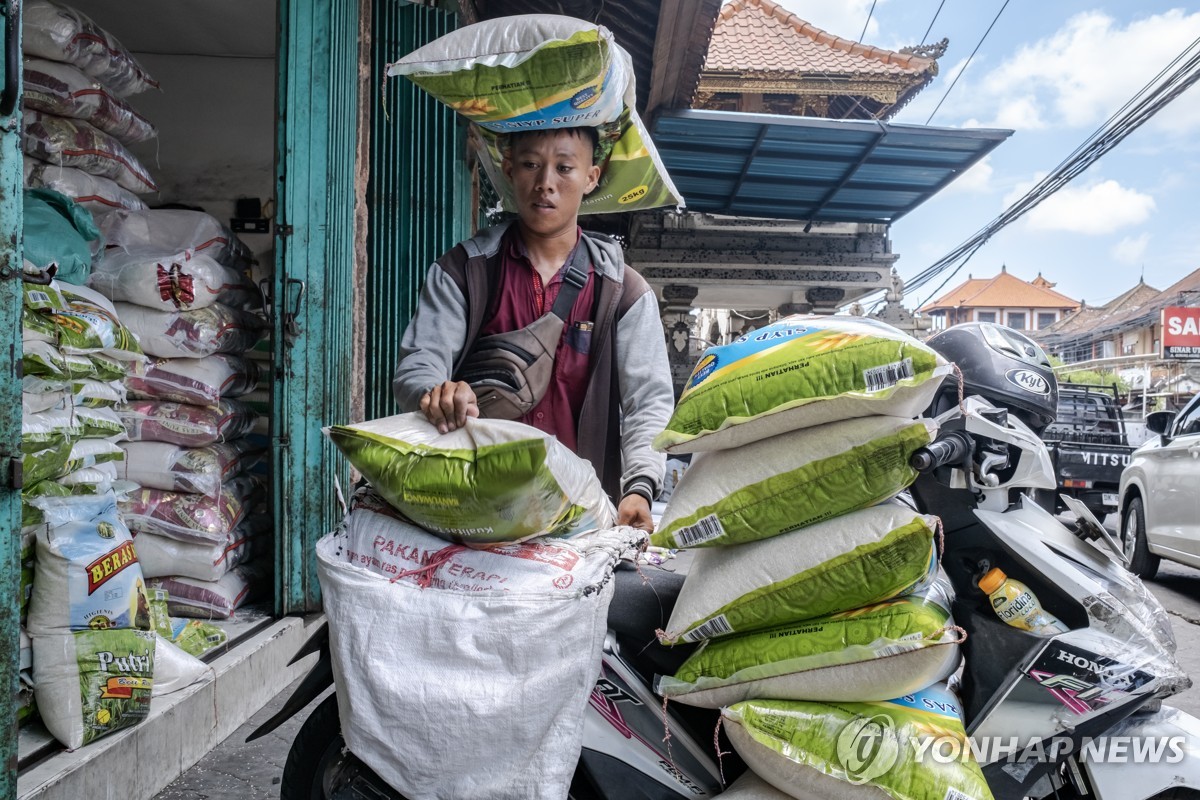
[1092,528]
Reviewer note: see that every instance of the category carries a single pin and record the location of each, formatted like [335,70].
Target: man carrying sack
[496,333]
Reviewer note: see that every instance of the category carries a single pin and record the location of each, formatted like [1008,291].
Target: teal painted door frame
[10,401]
[312,287]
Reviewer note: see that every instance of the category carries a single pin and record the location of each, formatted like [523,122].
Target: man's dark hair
[587,133]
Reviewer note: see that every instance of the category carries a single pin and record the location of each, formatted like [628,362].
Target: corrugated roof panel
[760,165]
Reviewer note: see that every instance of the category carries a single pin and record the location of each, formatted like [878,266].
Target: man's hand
[448,405]
[634,511]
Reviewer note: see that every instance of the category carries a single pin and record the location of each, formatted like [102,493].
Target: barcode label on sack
[37,298]
[887,376]
[702,530]
[717,626]
[898,648]
[955,794]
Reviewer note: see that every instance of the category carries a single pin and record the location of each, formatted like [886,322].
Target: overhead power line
[983,39]
[935,16]
[870,14]
[1172,81]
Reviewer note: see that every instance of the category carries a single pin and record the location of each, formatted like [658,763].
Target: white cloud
[1084,72]
[844,18]
[1095,209]
[977,180]
[1131,249]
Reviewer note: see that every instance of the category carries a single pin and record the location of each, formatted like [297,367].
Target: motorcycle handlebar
[948,448]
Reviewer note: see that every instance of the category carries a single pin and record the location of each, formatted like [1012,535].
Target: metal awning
[800,168]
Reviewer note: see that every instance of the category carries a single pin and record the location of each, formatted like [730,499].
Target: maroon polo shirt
[521,297]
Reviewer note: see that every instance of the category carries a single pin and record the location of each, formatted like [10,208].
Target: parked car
[1088,446]
[1160,493]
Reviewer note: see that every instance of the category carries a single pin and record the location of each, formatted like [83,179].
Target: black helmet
[1002,366]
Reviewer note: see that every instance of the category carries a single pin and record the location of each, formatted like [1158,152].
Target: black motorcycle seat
[640,607]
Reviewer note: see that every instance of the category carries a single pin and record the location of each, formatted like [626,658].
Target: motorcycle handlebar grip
[944,450]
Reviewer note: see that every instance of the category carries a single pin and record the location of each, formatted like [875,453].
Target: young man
[610,392]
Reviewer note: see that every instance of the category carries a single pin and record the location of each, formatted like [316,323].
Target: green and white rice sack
[490,481]
[790,481]
[847,562]
[801,372]
[881,651]
[857,751]
[92,683]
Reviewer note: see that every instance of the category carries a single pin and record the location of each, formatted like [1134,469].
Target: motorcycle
[1040,711]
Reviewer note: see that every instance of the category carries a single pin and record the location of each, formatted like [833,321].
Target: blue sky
[1053,71]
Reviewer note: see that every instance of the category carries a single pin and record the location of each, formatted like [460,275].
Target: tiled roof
[1002,291]
[1091,316]
[760,36]
[1129,315]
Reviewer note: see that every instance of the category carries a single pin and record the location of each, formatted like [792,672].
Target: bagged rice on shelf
[218,599]
[46,440]
[95,476]
[192,636]
[164,230]
[61,33]
[57,232]
[93,192]
[374,537]
[878,652]
[847,562]
[85,546]
[39,394]
[191,517]
[200,470]
[543,71]
[180,280]
[163,557]
[193,334]
[92,683]
[174,669]
[490,481]
[855,751]
[76,320]
[186,425]
[791,481]
[801,372]
[195,381]
[65,91]
[75,143]
[91,452]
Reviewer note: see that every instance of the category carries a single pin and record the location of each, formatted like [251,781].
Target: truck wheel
[1142,562]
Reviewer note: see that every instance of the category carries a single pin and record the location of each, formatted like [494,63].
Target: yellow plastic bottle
[1016,605]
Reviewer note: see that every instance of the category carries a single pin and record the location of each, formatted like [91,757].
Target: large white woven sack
[752,787]
[450,694]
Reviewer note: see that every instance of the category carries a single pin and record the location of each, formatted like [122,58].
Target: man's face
[550,175]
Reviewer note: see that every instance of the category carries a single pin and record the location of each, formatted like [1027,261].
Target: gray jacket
[438,334]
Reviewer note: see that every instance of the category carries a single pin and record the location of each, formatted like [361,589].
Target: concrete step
[182,727]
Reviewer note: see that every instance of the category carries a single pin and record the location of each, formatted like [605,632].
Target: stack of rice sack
[539,72]
[492,544]
[179,280]
[77,123]
[815,590]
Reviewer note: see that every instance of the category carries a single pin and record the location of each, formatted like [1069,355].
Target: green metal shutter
[419,194]
[10,409]
[313,284]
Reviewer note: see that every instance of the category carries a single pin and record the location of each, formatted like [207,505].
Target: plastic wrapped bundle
[90,191]
[169,229]
[75,143]
[65,91]
[60,33]
[191,517]
[215,599]
[173,281]
[186,425]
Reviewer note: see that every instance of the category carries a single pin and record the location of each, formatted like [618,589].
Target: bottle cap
[992,580]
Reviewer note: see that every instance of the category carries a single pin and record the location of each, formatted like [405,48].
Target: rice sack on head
[851,561]
[856,751]
[790,481]
[801,372]
[541,72]
[874,653]
[490,481]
